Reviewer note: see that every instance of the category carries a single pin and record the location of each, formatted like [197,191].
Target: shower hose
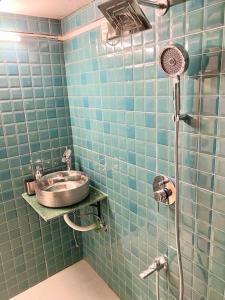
[157,285]
[177,218]
[177,209]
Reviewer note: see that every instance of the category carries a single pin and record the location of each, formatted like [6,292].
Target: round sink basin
[62,188]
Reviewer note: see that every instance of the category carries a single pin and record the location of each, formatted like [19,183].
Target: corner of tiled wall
[34,124]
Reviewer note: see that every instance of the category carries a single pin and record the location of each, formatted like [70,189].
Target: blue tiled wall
[21,23]
[34,124]
[83,16]
[121,114]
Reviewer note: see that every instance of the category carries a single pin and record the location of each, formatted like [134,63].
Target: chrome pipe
[161,6]
[154,4]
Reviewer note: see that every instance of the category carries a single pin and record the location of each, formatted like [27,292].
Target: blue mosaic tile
[133,130]
[34,124]
[118,117]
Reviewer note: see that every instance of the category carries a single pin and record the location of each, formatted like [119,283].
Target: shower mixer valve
[164,190]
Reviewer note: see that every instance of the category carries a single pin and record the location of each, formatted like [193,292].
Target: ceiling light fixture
[9,36]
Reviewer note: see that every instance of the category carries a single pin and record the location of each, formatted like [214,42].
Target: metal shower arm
[161,6]
[153,3]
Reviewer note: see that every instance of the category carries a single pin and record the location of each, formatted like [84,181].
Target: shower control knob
[164,181]
[164,190]
[163,195]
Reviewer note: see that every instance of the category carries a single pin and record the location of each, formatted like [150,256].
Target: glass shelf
[48,214]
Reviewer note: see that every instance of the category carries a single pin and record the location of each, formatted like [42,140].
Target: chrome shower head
[125,16]
[174,60]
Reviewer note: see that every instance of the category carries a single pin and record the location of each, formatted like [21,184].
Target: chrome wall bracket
[98,206]
[102,224]
[164,190]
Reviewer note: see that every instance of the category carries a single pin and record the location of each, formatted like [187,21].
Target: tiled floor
[78,282]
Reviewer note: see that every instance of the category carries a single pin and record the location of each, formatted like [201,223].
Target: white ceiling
[56,9]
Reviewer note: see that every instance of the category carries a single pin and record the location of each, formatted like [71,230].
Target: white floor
[78,282]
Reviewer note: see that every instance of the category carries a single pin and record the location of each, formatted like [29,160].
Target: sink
[63,188]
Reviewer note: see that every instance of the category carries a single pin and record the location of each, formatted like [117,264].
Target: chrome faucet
[67,158]
[38,170]
[159,263]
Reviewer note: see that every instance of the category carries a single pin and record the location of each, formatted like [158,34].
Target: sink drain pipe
[98,225]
